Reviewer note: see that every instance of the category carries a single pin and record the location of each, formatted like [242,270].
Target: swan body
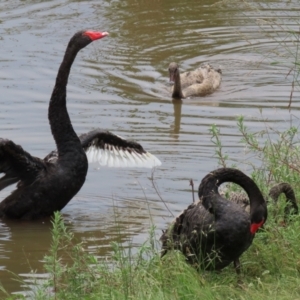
[240,198]
[200,82]
[214,232]
[47,185]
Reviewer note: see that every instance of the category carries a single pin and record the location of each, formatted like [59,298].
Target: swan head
[84,37]
[258,217]
[173,72]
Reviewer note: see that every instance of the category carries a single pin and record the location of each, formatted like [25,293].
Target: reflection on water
[119,84]
[22,247]
[175,127]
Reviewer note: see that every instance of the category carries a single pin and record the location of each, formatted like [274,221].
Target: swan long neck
[64,135]
[287,190]
[213,180]
[177,91]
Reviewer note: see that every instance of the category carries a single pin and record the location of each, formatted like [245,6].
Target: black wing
[111,150]
[17,164]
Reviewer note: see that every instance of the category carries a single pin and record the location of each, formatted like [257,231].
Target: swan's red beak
[95,35]
[255,226]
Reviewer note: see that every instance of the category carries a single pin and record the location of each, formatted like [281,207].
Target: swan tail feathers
[17,164]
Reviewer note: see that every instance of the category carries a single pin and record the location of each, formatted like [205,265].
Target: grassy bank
[270,271]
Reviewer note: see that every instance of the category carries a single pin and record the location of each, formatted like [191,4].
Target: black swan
[200,82]
[47,185]
[291,207]
[213,232]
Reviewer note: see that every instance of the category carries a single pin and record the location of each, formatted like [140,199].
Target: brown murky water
[119,84]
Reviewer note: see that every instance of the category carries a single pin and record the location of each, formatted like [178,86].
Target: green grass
[270,270]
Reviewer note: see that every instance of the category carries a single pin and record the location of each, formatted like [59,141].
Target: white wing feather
[113,157]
